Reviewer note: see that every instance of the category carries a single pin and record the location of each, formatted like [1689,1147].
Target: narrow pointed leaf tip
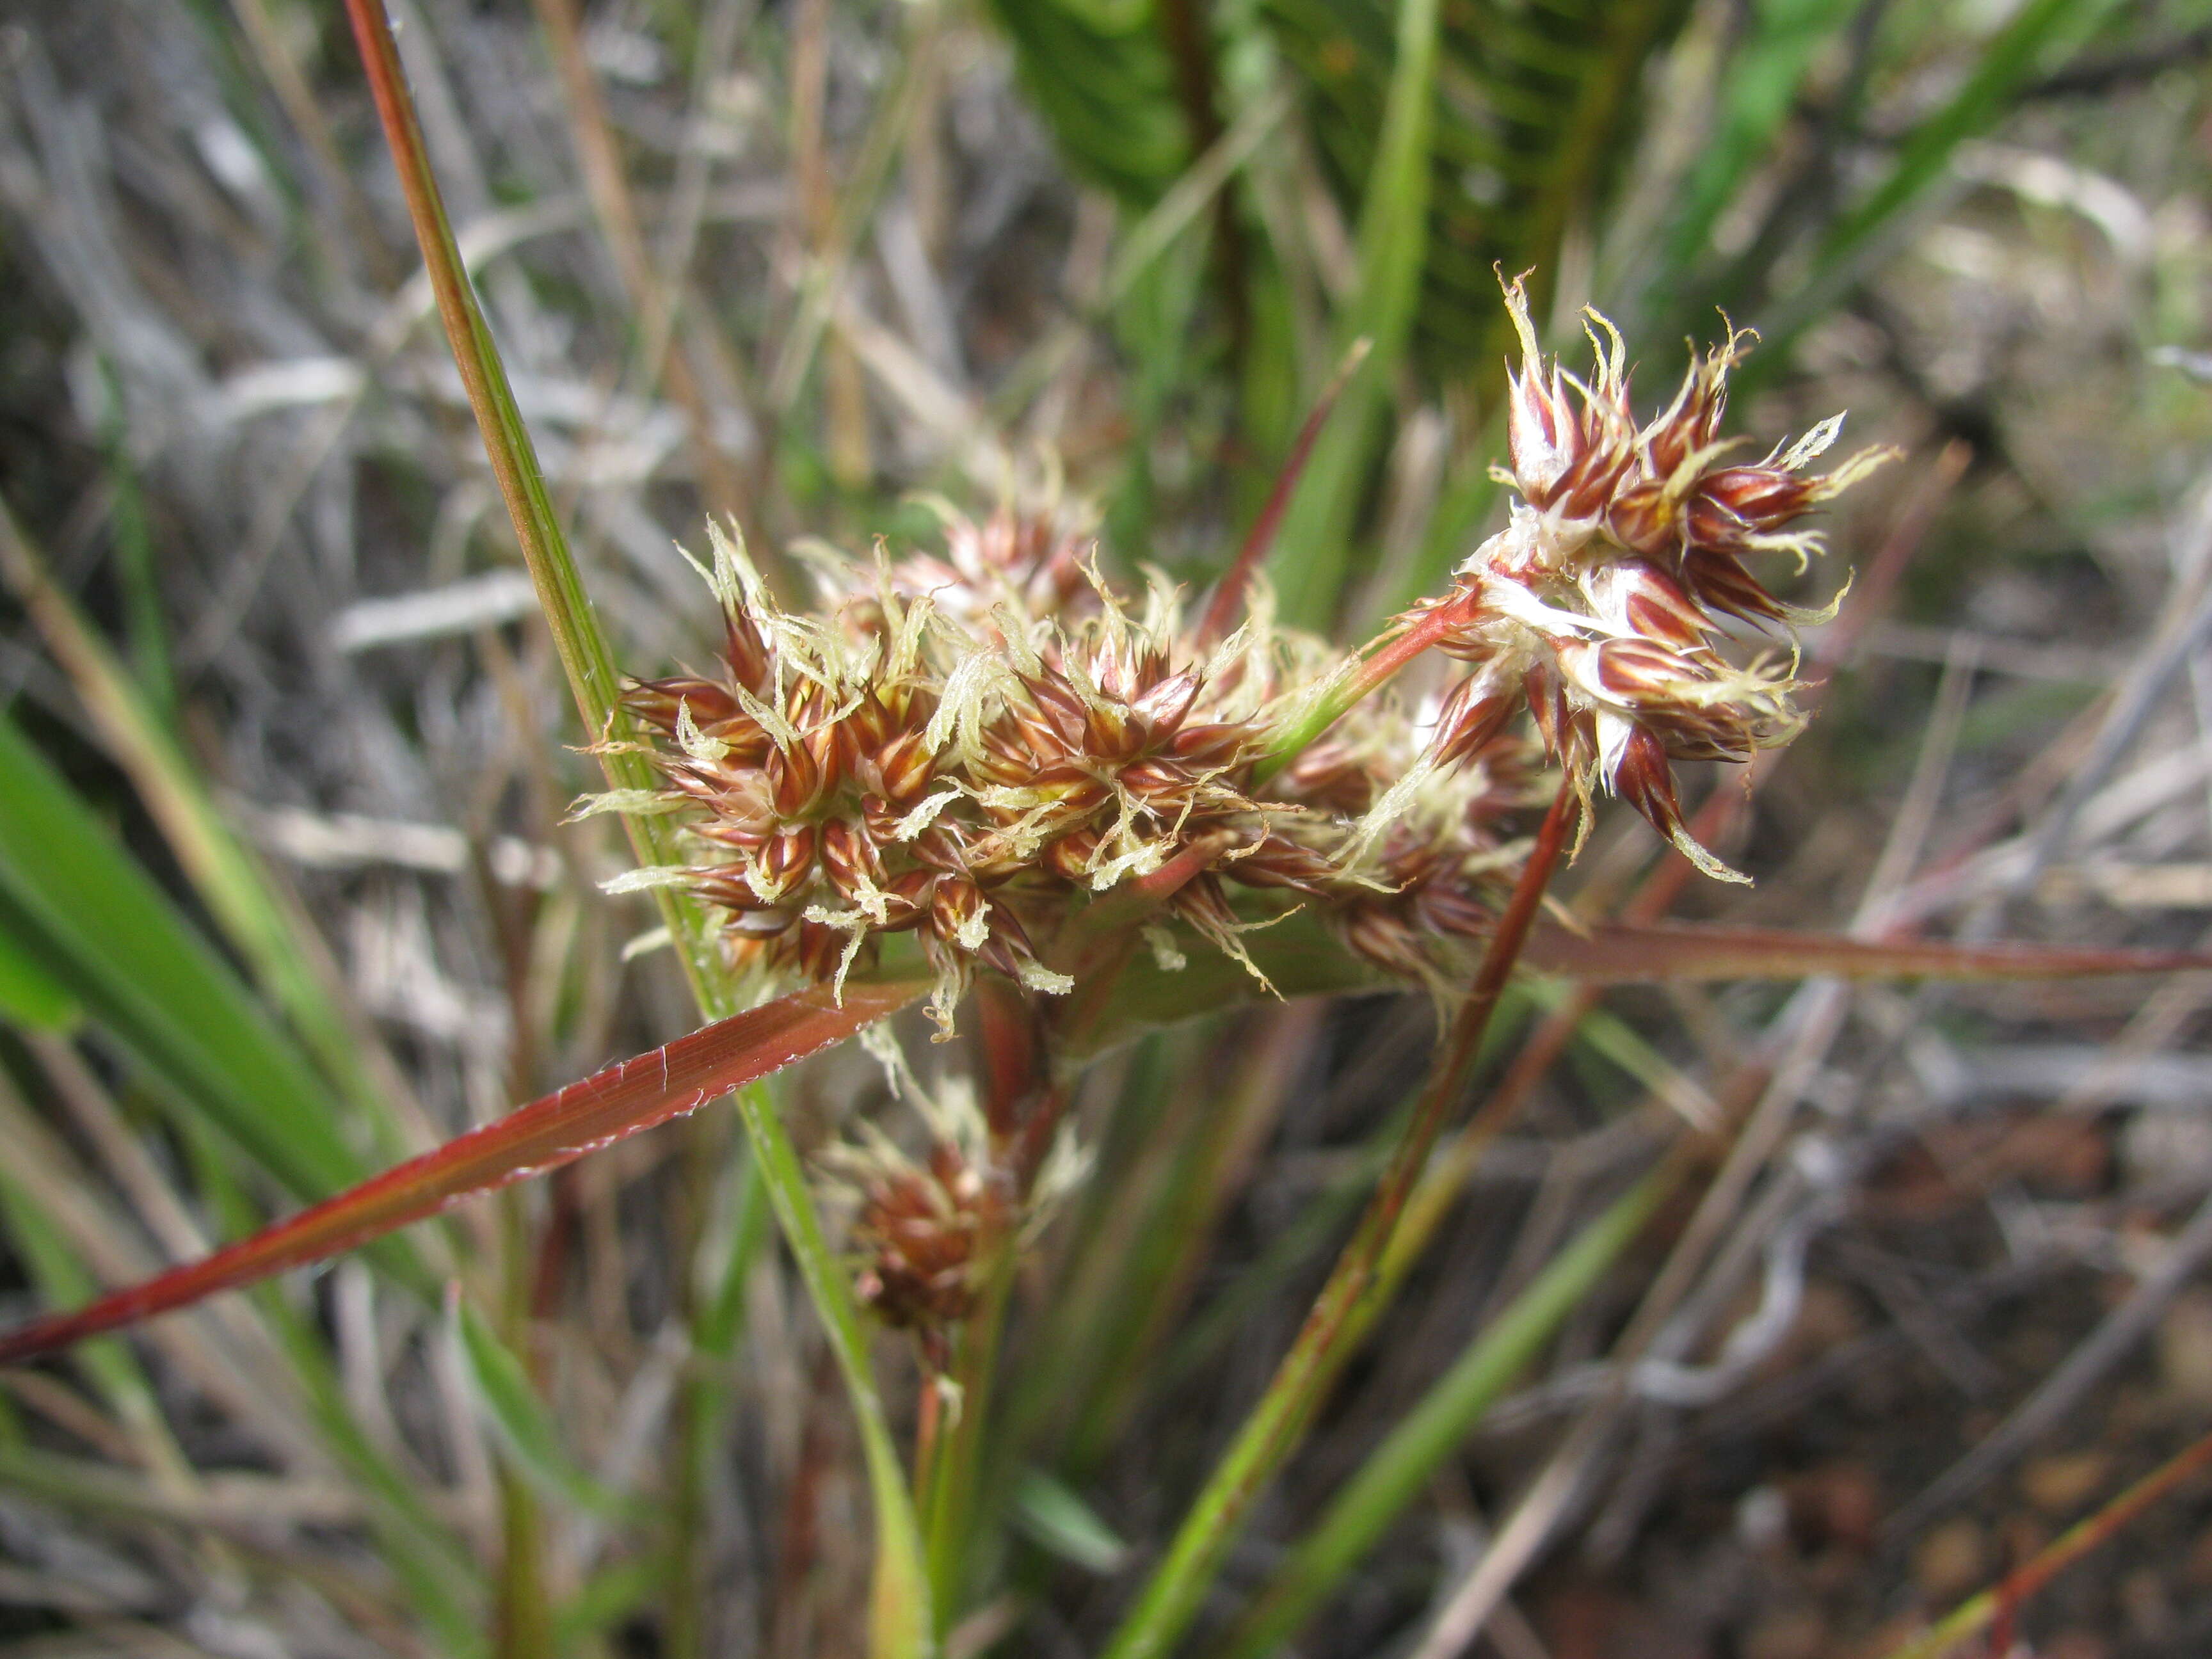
[610,1106]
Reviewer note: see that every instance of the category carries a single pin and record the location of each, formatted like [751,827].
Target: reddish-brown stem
[928,1410]
[2078,1540]
[1340,1312]
[1463,1042]
[549,1271]
[426,206]
[1221,610]
[1011,1045]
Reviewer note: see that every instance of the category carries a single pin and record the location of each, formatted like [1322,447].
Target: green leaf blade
[94,924]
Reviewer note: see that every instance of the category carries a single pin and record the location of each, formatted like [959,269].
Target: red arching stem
[1463,1042]
[1221,610]
[426,206]
[1394,655]
[562,1127]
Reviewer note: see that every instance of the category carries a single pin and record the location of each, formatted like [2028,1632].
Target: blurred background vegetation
[285,892]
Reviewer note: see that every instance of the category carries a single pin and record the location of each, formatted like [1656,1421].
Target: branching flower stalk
[1001,761]
[992,770]
[993,777]
[973,750]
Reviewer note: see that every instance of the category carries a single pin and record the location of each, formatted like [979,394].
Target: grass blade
[1057,1521]
[1755,92]
[94,923]
[2018,51]
[1229,595]
[278,944]
[1394,240]
[58,1272]
[561,1127]
[28,994]
[1398,1470]
[531,1437]
[1301,958]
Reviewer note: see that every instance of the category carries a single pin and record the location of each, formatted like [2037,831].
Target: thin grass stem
[900,1623]
[586,658]
[949,1502]
[1396,1471]
[1979,1613]
[1278,1423]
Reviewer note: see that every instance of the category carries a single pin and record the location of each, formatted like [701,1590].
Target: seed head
[965,749]
[1604,602]
[927,1225]
[971,746]
[920,1230]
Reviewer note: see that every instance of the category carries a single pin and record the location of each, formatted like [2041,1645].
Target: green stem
[522,1621]
[1376,667]
[582,647]
[1393,239]
[1397,1471]
[900,1620]
[704,1408]
[522,1625]
[899,1617]
[1023,1108]
[949,1499]
[1278,1423]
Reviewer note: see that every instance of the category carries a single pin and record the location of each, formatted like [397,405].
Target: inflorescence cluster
[1602,604]
[972,747]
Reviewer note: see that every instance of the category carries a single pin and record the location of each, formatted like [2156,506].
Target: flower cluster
[1603,604]
[963,750]
[921,1231]
[1426,840]
[924,1228]
[970,748]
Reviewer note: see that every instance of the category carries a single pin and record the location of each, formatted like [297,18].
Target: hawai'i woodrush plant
[1061,802]
[997,761]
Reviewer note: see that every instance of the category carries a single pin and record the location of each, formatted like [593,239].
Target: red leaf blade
[568,1124]
[1689,951]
